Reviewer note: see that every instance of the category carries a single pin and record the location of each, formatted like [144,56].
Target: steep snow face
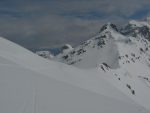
[123,57]
[104,48]
[31,84]
[94,51]
[133,75]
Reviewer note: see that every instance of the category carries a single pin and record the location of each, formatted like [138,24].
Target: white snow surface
[123,61]
[31,84]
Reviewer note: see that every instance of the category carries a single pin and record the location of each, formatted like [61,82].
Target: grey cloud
[50,23]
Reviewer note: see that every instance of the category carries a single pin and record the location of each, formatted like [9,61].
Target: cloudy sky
[51,23]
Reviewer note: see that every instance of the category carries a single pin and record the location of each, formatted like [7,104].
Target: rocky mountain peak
[109,26]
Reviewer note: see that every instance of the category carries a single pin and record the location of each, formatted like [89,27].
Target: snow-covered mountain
[124,54]
[105,46]
[106,74]
[32,84]
[66,49]
[93,52]
[45,54]
[137,29]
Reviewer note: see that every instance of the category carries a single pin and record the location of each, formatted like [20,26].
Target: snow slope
[97,50]
[31,84]
[121,56]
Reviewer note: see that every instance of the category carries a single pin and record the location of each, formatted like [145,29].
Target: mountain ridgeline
[122,53]
[104,46]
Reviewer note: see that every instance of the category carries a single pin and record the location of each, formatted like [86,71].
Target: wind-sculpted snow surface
[31,84]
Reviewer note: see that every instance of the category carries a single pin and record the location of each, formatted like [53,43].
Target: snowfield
[31,84]
[106,74]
